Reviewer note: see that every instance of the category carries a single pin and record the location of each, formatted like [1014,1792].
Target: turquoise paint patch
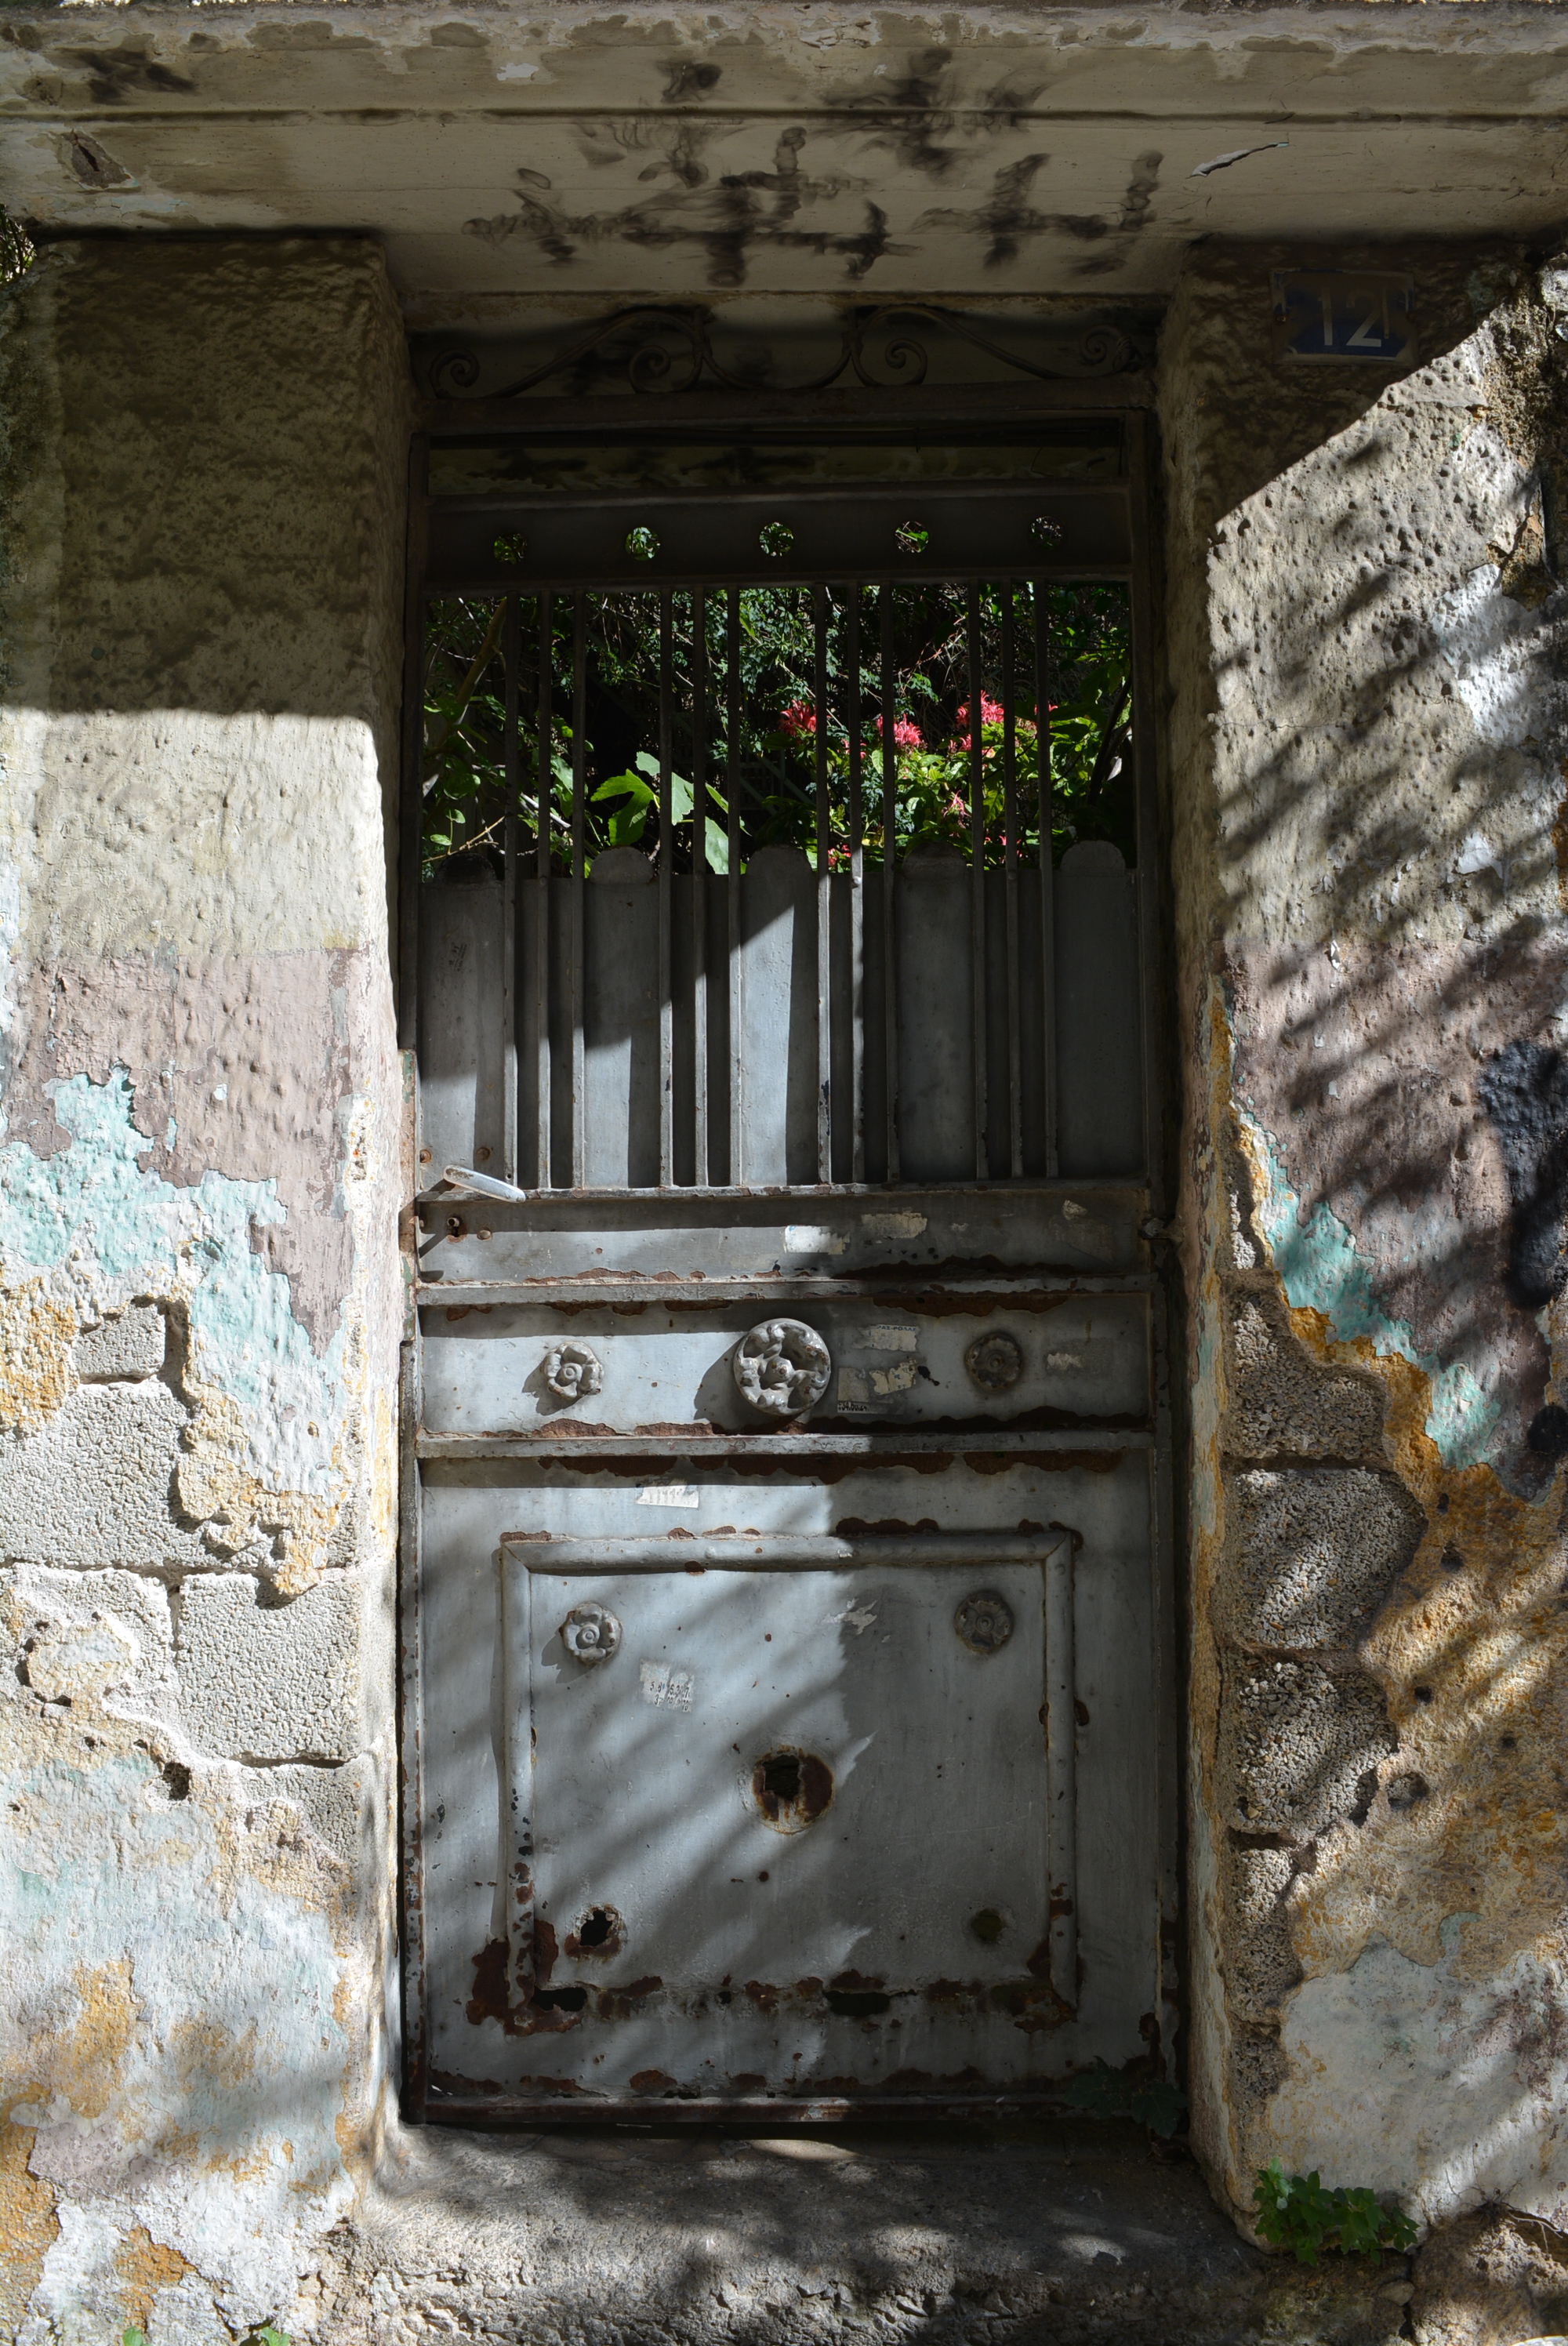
[1321,1271]
[92,1206]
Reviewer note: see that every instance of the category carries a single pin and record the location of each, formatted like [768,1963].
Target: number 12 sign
[1335,314]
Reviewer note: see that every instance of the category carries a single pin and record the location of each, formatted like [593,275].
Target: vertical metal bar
[1061,1770]
[824,901]
[857,897]
[732,892]
[410,824]
[411,1774]
[517,1729]
[1139,432]
[1010,858]
[890,699]
[544,782]
[1047,790]
[698,884]
[512,659]
[978,1027]
[579,798]
[666,859]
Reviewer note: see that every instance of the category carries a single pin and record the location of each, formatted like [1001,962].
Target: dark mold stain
[115,74]
[1524,1091]
[1548,1433]
[685,80]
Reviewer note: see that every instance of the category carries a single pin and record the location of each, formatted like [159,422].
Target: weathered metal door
[786,1623]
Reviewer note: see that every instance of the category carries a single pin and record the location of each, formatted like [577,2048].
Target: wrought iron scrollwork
[671,351]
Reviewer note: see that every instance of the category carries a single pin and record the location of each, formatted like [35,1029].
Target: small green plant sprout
[131,2336]
[266,2334]
[1295,2212]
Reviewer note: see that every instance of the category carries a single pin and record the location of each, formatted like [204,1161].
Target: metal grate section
[843,959]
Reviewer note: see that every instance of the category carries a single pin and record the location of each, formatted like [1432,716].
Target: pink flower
[798,721]
[906,733]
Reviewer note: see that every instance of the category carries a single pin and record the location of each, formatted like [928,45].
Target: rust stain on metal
[856,1527]
[791,1788]
[652,2081]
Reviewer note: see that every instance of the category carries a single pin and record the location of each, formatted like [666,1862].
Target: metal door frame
[888,416]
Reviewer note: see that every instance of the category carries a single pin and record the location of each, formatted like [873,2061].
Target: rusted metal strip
[977,885]
[700,1169]
[1047,804]
[580,828]
[857,892]
[598,1288]
[889,699]
[732,888]
[411,1747]
[1061,1772]
[1010,879]
[512,656]
[517,1809]
[481,2109]
[586,1449]
[666,886]
[544,751]
[783,1552]
[824,900]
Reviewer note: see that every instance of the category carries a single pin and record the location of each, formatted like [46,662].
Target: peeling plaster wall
[1367,636]
[199,1301]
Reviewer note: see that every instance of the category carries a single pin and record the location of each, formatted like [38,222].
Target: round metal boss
[782,1367]
[995,1360]
[590,1634]
[984,1621]
[572,1370]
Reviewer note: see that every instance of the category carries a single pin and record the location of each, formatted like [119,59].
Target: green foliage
[1106,2093]
[266,2333]
[17,252]
[770,767]
[1295,2212]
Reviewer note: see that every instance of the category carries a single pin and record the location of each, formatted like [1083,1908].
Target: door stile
[889,700]
[977,961]
[543,755]
[512,656]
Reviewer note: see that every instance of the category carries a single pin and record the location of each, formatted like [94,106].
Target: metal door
[786,1610]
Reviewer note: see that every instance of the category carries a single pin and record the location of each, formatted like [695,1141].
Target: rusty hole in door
[791,1788]
[561,1999]
[600,1932]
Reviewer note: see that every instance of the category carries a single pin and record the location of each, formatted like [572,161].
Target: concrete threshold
[1070,2231]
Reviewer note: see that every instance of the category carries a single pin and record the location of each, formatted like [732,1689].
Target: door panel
[786,1603]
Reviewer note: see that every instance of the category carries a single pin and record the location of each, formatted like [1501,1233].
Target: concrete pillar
[1366,643]
[199,1304]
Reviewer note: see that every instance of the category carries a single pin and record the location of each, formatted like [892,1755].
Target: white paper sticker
[1063,1361]
[665,1688]
[898,1379]
[811,1238]
[891,1226]
[892,1339]
[669,1495]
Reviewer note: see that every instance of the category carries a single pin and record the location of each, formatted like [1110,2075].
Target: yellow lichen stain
[216,1489]
[207,2056]
[142,2266]
[36,1375]
[83,2060]
[28,2226]
[1471,1651]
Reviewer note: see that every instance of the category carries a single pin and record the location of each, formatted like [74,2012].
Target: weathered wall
[1367,636]
[198,1289]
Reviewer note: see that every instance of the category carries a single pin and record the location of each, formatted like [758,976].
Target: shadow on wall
[1388,1030]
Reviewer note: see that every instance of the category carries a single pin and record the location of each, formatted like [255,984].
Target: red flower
[906,733]
[798,721]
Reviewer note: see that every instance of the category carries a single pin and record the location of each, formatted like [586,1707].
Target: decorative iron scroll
[651,365]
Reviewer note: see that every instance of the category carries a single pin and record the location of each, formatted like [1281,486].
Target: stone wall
[1367,730]
[202,474]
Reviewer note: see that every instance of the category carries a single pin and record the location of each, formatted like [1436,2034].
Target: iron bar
[1061,1773]
[857,893]
[824,883]
[889,700]
[785,1551]
[579,826]
[666,877]
[1101,1440]
[512,657]
[698,883]
[1010,879]
[732,890]
[1045,792]
[979,1039]
[543,752]
[1143,752]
